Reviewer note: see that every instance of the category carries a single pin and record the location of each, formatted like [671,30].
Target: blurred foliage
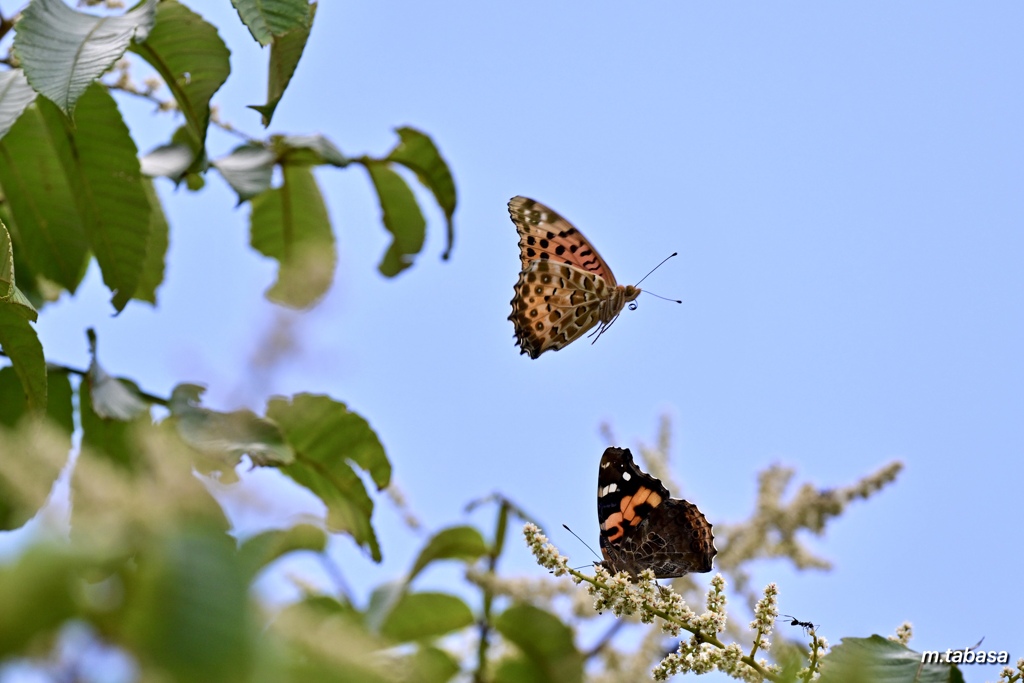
[145,566]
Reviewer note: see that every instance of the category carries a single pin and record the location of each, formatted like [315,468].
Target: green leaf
[112,439]
[260,550]
[31,458]
[15,95]
[169,161]
[9,293]
[59,395]
[432,665]
[63,51]
[267,19]
[417,152]
[401,216]
[248,169]
[111,196]
[325,437]
[39,592]
[419,616]
[290,224]
[880,660]
[327,644]
[235,433]
[156,249]
[284,57]
[192,59]
[187,608]
[6,264]
[29,282]
[310,150]
[14,406]
[37,157]
[546,644]
[113,399]
[18,339]
[455,543]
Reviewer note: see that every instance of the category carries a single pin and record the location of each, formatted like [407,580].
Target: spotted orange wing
[545,235]
[643,528]
[565,288]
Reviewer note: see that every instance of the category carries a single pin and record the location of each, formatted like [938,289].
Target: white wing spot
[626,476]
[610,488]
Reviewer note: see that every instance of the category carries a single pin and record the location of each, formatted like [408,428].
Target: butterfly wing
[556,304]
[643,528]
[545,235]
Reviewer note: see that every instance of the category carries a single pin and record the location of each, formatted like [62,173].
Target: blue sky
[843,184]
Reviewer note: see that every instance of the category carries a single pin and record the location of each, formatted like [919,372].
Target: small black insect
[805,625]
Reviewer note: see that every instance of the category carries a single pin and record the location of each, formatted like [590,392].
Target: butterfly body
[642,527]
[565,288]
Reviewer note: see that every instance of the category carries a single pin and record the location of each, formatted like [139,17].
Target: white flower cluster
[904,632]
[701,658]
[546,553]
[703,652]
[1008,675]
[765,612]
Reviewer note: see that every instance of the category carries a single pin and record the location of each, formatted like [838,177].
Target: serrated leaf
[455,543]
[48,229]
[419,616]
[262,549]
[291,225]
[15,95]
[417,152]
[326,436]
[192,59]
[63,51]
[401,215]
[266,19]
[156,249]
[235,433]
[113,201]
[880,660]
[248,169]
[285,53]
[18,339]
[546,644]
[310,150]
[9,292]
[38,291]
[6,264]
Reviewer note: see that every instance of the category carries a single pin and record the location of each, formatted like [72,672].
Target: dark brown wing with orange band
[643,528]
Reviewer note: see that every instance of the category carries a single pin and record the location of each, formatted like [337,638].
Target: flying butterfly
[565,288]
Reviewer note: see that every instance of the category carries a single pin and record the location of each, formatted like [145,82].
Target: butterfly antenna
[674,253]
[581,541]
[647,291]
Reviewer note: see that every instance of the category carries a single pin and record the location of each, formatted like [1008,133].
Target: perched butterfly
[643,528]
[565,287]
